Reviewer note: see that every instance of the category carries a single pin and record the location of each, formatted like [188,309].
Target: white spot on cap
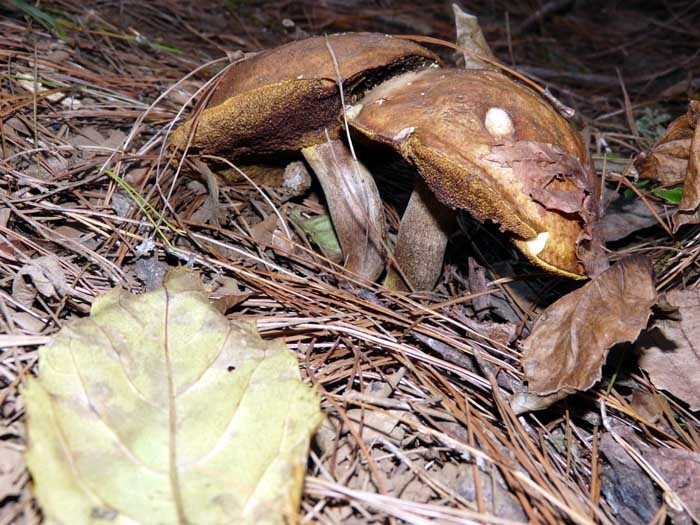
[536,245]
[498,122]
[403,134]
[352,111]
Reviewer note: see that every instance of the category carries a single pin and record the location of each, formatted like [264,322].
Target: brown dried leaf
[471,38]
[262,231]
[559,182]
[227,294]
[647,405]
[354,205]
[667,161]
[569,342]
[624,217]
[479,285]
[555,179]
[627,489]
[679,469]
[43,275]
[688,212]
[499,499]
[670,351]
[5,214]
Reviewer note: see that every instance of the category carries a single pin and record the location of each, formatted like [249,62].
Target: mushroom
[489,145]
[289,99]
[480,141]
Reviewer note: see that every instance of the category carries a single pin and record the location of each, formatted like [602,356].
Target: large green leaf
[157,409]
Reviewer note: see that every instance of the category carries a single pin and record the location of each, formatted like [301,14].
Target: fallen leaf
[670,195]
[559,182]
[667,160]
[647,405]
[157,408]
[471,38]
[570,341]
[28,323]
[675,159]
[670,349]
[498,497]
[689,207]
[374,426]
[88,141]
[227,294]
[271,231]
[12,468]
[626,487]
[210,211]
[44,276]
[320,231]
[151,271]
[539,166]
[478,285]
[679,469]
[354,205]
[624,216]
[263,231]
[5,214]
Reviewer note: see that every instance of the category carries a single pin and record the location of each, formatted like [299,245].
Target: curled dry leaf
[354,204]
[44,276]
[570,341]
[675,159]
[667,160]
[156,408]
[471,38]
[689,207]
[560,183]
[670,349]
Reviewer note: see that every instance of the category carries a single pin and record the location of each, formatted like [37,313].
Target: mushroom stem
[420,248]
[354,206]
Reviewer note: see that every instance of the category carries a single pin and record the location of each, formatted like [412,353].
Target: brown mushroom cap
[489,145]
[285,98]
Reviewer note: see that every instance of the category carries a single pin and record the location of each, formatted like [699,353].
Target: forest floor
[418,428]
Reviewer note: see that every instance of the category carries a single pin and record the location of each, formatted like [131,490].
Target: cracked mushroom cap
[283,99]
[493,147]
